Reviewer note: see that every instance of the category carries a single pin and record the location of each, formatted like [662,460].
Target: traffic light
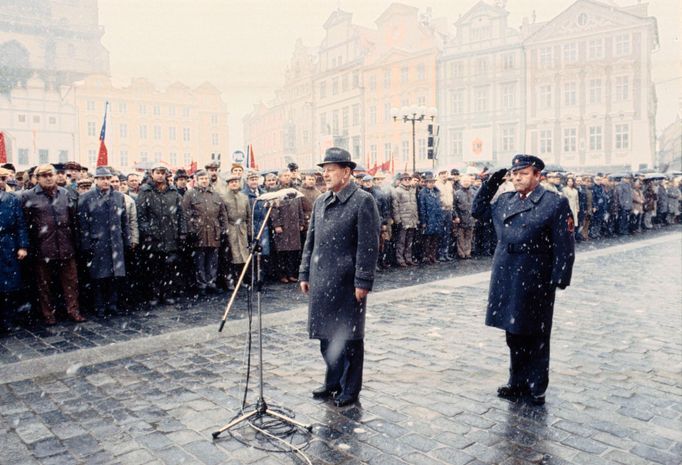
[429,148]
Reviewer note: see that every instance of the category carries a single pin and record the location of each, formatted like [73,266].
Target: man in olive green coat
[239,222]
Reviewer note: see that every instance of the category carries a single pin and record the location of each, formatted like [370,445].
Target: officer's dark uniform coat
[340,254]
[534,255]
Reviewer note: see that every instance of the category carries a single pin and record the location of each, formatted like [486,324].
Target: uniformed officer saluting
[534,255]
[337,270]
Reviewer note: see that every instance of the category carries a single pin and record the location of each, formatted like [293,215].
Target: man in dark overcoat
[104,239]
[13,249]
[162,228]
[337,271]
[50,214]
[534,255]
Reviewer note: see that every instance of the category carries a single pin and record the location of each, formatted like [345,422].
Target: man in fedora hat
[337,272]
[104,239]
[533,257]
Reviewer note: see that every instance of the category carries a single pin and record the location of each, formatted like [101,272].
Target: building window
[123,158]
[570,53]
[456,139]
[508,94]
[508,61]
[405,150]
[387,112]
[622,136]
[323,89]
[421,144]
[173,158]
[335,122]
[186,112]
[481,99]
[622,44]
[143,131]
[215,139]
[595,138]
[387,78]
[404,74]
[123,130]
[22,155]
[92,157]
[345,117]
[142,109]
[570,98]
[185,134]
[622,88]
[52,120]
[171,111]
[421,101]
[92,128]
[570,137]
[36,119]
[545,57]
[157,156]
[387,151]
[335,86]
[324,129]
[545,141]
[545,97]
[122,107]
[144,156]
[456,70]
[187,157]
[372,115]
[372,82]
[157,132]
[21,118]
[63,156]
[508,139]
[356,114]
[171,133]
[157,110]
[595,49]
[214,120]
[421,71]
[482,66]
[344,83]
[91,105]
[356,79]
[372,154]
[356,145]
[595,90]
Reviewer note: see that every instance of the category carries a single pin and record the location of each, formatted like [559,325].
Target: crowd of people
[80,243]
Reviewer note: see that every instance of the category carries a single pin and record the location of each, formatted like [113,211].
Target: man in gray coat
[104,238]
[337,271]
[623,195]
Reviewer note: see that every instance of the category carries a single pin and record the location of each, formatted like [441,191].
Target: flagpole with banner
[103,156]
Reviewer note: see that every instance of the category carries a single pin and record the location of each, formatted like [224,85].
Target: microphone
[288,193]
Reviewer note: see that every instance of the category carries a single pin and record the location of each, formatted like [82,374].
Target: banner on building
[477,144]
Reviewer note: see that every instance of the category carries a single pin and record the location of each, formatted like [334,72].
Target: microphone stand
[261,408]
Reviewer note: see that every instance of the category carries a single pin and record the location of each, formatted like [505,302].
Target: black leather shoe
[323,393]
[511,392]
[344,400]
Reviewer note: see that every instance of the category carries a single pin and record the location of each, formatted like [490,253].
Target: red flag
[252,158]
[3,149]
[102,156]
[192,168]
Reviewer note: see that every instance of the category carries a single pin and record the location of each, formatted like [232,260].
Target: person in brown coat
[288,220]
[206,221]
[310,193]
[51,220]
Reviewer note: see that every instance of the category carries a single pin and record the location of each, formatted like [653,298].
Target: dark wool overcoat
[534,255]
[160,218]
[340,254]
[430,211]
[13,236]
[51,221]
[103,232]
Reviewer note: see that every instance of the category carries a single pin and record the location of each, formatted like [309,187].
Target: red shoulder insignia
[571,224]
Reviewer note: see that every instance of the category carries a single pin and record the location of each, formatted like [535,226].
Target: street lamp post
[413,114]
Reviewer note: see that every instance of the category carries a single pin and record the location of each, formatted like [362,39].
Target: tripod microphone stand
[261,408]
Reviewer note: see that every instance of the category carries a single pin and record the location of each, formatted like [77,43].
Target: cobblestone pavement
[34,341]
[431,370]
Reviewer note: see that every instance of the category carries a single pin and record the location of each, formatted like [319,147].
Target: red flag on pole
[3,149]
[252,158]
[102,156]
[192,168]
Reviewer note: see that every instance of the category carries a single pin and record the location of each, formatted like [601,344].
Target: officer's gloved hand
[497,178]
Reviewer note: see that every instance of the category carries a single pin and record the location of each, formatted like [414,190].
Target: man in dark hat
[337,271]
[534,256]
[181,178]
[430,217]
